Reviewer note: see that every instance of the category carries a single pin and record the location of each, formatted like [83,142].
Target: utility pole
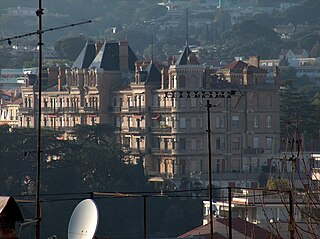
[39,13]
[230,211]
[144,217]
[208,105]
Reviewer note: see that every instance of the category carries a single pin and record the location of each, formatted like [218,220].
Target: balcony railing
[159,151]
[136,129]
[90,109]
[70,110]
[253,151]
[160,108]
[26,110]
[162,129]
[137,109]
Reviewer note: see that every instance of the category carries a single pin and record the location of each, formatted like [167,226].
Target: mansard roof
[108,57]
[132,58]
[183,58]
[85,57]
[151,74]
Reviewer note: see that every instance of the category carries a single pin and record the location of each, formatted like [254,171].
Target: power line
[9,39]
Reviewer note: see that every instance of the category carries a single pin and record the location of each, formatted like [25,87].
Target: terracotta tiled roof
[200,232]
[247,228]
[236,65]
[238,224]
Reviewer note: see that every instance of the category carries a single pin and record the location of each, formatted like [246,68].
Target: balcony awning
[156,179]
[137,116]
[155,117]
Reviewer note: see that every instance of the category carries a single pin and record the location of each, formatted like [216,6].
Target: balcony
[26,110]
[162,129]
[136,130]
[253,151]
[70,110]
[160,109]
[136,109]
[115,109]
[48,110]
[160,151]
[136,151]
[91,110]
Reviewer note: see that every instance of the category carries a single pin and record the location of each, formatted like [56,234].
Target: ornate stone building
[160,110]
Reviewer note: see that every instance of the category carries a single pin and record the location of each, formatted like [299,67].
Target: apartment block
[161,111]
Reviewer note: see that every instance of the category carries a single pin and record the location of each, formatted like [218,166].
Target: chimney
[254,61]
[61,78]
[123,55]
[53,73]
[245,76]
[98,46]
[276,73]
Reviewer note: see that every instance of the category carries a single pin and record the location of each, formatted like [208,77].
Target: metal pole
[291,222]
[145,217]
[208,105]
[39,13]
[230,212]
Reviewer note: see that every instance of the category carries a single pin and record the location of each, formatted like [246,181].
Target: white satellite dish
[83,221]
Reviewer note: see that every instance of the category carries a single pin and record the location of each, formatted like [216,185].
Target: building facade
[160,111]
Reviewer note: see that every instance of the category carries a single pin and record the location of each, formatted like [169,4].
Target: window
[173,144]
[235,121]
[156,143]
[269,121]
[269,101]
[220,144]
[173,102]
[193,144]
[182,123]
[220,122]
[256,121]
[182,82]
[236,143]
[200,144]
[256,101]
[182,102]
[200,123]
[269,143]
[182,143]
[255,142]
[193,102]
[166,143]
[193,122]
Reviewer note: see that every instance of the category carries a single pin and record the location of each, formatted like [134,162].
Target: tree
[315,50]
[70,47]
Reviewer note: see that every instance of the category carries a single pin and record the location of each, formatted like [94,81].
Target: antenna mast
[39,13]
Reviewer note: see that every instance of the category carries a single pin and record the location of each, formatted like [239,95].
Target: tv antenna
[39,32]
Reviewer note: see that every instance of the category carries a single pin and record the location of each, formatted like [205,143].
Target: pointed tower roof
[151,74]
[183,58]
[85,57]
[108,57]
